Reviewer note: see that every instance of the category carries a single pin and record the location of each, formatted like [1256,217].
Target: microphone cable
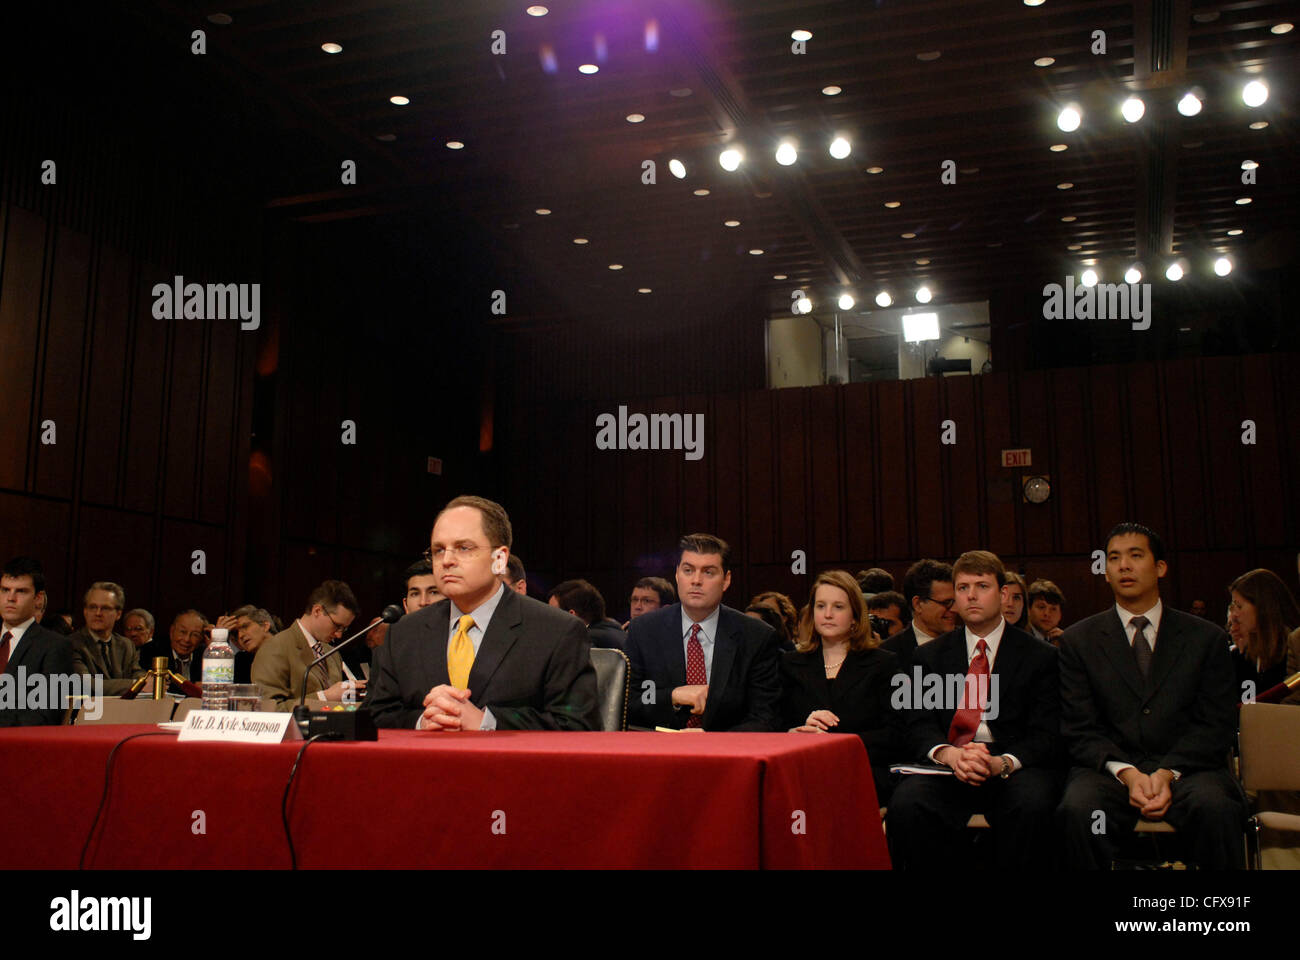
[284,802]
[108,774]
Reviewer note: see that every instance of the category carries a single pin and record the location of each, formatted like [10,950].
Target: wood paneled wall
[857,475]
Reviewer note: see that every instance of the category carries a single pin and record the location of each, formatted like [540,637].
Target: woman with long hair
[1260,617]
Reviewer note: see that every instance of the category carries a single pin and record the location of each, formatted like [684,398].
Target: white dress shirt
[17,632]
[992,642]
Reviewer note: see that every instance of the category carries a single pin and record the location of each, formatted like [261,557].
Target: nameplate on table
[239,726]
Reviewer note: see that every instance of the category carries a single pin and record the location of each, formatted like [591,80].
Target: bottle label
[218,671]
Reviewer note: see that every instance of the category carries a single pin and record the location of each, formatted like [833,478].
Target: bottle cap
[219,633]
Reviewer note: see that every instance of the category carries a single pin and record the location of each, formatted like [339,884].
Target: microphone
[302,713]
[1276,693]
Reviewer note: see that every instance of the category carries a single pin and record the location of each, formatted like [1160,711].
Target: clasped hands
[695,696]
[819,721]
[1149,793]
[972,763]
[448,708]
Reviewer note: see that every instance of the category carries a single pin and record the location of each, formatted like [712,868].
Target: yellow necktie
[460,653]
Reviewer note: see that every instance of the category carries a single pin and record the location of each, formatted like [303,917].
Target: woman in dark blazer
[837,680]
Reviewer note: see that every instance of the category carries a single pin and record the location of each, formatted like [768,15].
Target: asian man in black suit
[995,726]
[28,647]
[927,591]
[1149,713]
[485,657]
[699,665]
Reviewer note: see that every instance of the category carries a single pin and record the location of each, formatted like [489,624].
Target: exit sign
[1017,458]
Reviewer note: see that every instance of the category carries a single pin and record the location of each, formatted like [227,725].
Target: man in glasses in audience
[282,660]
[96,649]
[928,592]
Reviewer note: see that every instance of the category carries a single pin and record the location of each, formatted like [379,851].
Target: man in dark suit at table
[698,665]
[1149,713]
[26,645]
[996,728]
[927,591]
[486,657]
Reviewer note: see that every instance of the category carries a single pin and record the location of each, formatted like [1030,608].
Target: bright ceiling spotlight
[1132,109]
[923,294]
[1133,275]
[588,68]
[1088,278]
[677,168]
[537,10]
[729,159]
[1223,266]
[331,47]
[1190,105]
[786,153]
[801,35]
[1254,93]
[846,301]
[804,305]
[1249,164]
[840,148]
[399,100]
[832,90]
[883,299]
[1174,272]
[1069,119]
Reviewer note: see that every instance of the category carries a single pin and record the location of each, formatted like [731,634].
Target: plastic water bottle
[218,671]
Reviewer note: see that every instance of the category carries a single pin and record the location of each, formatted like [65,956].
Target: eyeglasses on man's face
[461,551]
[946,604]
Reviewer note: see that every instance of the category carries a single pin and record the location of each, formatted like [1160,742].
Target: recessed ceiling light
[875,169]
[1033,3]
[730,159]
[1255,93]
[883,299]
[1223,266]
[1259,125]
[893,204]
[1189,105]
[677,168]
[929,55]
[702,192]
[616,266]
[1065,186]
[923,295]
[224,19]
[756,252]
[1175,272]
[580,240]
[1235,232]
[542,212]
[731,223]
[908,236]
[400,100]
[969,171]
[779,276]
[1044,61]
[537,10]
[1281,28]
[680,92]
[1058,148]
[642,289]
[1132,109]
[840,148]
[331,47]
[1242,201]
[635,117]
[588,68]
[1249,164]
[1069,118]
[801,35]
[1069,219]
[386,137]
[1133,275]
[455,145]
[1075,246]
[786,154]
[831,90]
[923,262]
[1209,16]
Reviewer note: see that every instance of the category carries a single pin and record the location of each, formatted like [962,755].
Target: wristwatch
[1006,768]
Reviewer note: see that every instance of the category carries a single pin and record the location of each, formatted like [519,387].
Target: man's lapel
[501,635]
[432,645]
[1116,648]
[1165,655]
[725,647]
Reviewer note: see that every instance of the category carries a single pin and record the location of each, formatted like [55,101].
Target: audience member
[1198,608]
[650,593]
[281,662]
[186,640]
[26,645]
[421,587]
[1148,730]
[761,611]
[782,605]
[585,602]
[999,736]
[138,625]
[1260,618]
[252,627]
[888,607]
[837,680]
[875,580]
[1045,602]
[96,649]
[489,658]
[516,577]
[927,592]
[1013,601]
[699,665]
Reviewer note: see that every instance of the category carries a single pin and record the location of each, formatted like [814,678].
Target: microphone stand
[302,712]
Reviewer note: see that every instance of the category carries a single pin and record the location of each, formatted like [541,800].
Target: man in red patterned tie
[995,727]
[699,665]
[27,650]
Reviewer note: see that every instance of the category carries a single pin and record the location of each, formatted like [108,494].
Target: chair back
[613,673]
[1270,746]
[183,707]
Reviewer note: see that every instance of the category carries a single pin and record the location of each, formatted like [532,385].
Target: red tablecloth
[432,800]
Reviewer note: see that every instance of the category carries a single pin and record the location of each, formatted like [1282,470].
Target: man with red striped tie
[988,709]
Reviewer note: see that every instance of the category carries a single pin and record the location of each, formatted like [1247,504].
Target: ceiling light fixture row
[1175,270]
[1254,93]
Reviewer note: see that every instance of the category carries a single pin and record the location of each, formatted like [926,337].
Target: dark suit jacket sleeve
[1209,733]
[1040,743]
[763,693]
[570,689]
[652,705]
[1081,724]
[384,693]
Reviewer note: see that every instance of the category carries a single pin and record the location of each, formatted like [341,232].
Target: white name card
[239,726]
